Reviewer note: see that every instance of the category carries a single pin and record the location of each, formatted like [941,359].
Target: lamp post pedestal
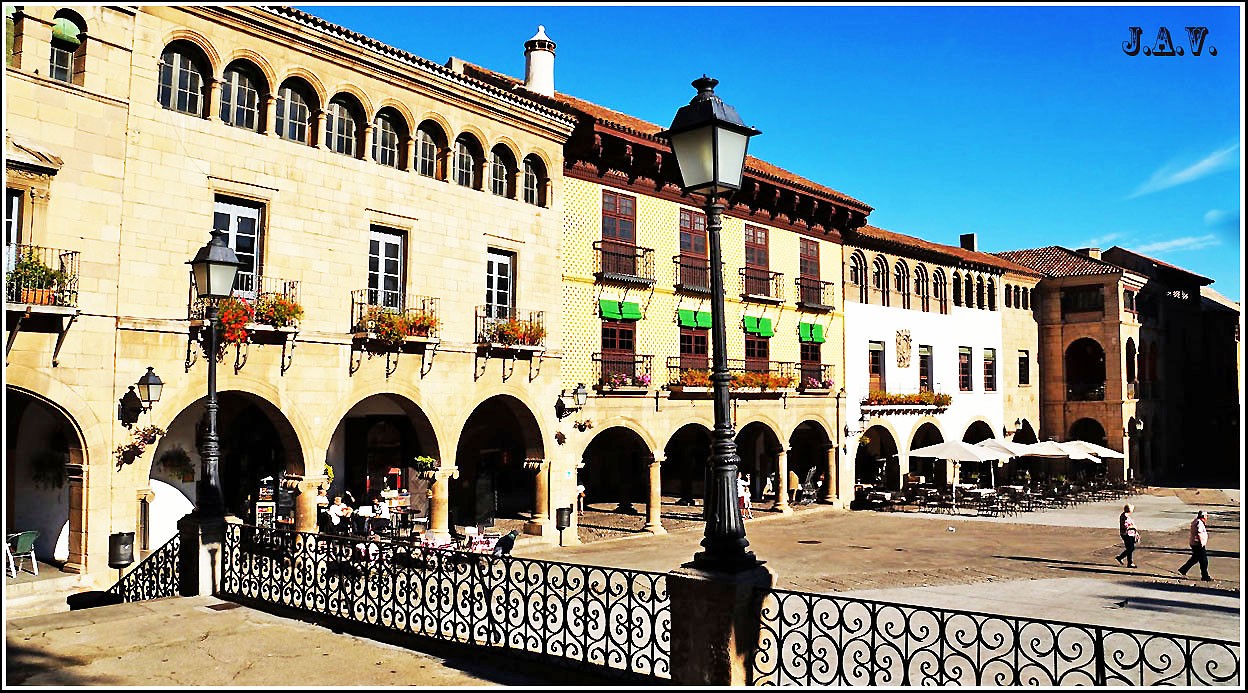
[199,556]
[715,622]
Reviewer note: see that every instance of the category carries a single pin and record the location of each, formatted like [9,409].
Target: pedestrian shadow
[1195,590]
[1215,553]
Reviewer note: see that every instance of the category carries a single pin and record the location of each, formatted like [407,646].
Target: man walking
[1198,539]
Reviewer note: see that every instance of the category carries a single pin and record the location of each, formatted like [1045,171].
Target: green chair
[19,546]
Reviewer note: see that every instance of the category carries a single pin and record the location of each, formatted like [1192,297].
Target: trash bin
[563,518]
[120,549]
[92,599]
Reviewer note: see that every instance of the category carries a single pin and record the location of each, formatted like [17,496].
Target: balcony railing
[622,372]
[250,288]
[419,315]
[510,329]
[762,284]
[1085,392]
[813,294]
[689,372]
[35,275]
[693,274]
[815,376]
[625,264]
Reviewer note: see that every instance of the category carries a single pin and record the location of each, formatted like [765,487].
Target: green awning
[687,318]
[751,324]
[67,31]
[816,334]
[704,319]
[764,327]
[803,332]
[630,310]
[610,309]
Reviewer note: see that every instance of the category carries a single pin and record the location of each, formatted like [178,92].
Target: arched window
[183,70]
[968,292]
[1130,360]
[342,127]
[921,288]
[957,289]
[1142,360]
[241,92]
[879,278]
[901,282]
[502,172]
[431,150]
[467,160]
[13,30]
[535,181]
[992,294]
[1026,299]
[858,276]
[1006,294]
[293,111]
[940,290]
[68,54]
[389,138]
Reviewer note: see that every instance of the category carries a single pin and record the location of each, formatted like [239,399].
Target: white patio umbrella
[1049,448]
[1006,447]
[1092,449]
[957,452]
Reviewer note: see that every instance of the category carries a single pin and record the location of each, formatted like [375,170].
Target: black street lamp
[709,141]
[213,271]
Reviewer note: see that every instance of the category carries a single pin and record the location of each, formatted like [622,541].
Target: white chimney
[1094,253]
[539,63]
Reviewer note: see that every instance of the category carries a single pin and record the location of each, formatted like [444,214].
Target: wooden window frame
[965,380]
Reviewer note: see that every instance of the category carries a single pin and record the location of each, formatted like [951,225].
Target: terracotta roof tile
[954,253]
[637,126]
[1056,261]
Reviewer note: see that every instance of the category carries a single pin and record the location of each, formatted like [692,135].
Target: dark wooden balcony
[620,263]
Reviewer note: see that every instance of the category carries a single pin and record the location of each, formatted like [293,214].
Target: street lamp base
[732,563]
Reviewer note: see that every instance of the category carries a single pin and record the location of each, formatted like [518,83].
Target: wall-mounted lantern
[134,403]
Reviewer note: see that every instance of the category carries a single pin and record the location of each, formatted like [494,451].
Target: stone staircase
[27,595]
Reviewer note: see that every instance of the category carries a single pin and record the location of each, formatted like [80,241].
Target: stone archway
[615,472]
[810,447]
[875,463]
[373,452]
[982,472]
[686,461]
[1085,371]
[499,455]
[930,469]
[1091,431]
[759,447]
[43,472]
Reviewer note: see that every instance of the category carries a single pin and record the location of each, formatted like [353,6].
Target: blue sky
[1029,126]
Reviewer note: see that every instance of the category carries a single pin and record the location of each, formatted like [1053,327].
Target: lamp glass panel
[220,280]
[731,156]
[695,155]
[149,392]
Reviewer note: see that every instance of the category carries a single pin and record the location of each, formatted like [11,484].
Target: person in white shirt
[338,513]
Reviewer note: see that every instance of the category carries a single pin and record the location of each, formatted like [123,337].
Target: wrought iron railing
[1085,392]
[693,274]
[254,289]
[761,283]
[623,263]
[815,376]
[420,315]
[35,275]
[615,371]
[155,577]
[509,329]
[607,619]
[814,294]
[821,640]
[682,370]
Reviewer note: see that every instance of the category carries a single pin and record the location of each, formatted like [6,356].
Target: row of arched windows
[972,291]
[927,288]
[294,112]
[1017,297]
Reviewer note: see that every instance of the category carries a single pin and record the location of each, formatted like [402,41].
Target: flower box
[623,389]
[814,390]
[39,297]
[688,389]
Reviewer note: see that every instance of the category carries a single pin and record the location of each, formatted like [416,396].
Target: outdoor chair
[808,492]
[19,546]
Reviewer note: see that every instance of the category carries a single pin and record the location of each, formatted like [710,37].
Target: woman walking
[1130,535]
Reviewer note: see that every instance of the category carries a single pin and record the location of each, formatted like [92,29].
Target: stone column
[199,557]
[76,480]
[214,99]
[407,154]
[654,502]
[782,483]
[318,134]
[715,622]
[367,154]
[270,116]
[831,475]
[439,505]
[540,522]
[305,488]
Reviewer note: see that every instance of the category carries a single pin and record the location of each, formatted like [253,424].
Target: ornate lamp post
[709,141]
[214,268]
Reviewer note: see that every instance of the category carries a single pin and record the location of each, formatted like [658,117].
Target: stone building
[355,181]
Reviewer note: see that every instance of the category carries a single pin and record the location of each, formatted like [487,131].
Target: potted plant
[532,333]
[47,468]
[235,314]
[36,282]
[813,384]
[177,462]
[421,323]
[424,466]
[140,438]
[691,380]
[388,326]
[278,310]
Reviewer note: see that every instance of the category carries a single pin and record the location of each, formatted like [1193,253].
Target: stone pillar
[270,116]
[654,501]
[715,624]
[830,493]
[305,488]
[318,133]
[76,480]
[782,483]
[540,523]
[439,505]
[214,99]
[199,558]
[367,154]
[407,154]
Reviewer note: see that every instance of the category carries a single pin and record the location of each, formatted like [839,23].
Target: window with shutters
[964,368]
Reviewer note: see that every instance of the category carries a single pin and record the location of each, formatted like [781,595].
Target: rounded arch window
[389,138]
[535,181]
[431,150]
[957,289]
[502,172]
[879,278]
[940,290]
[182,78]
[858,275]
[292,113]
[992,294]
[467,161]
[901,282]
[241,96]
[67,55]
[342,127]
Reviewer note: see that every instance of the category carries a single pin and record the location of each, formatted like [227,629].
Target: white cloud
[1179,244]
[1168,176]
[1103,241]
[1216,216]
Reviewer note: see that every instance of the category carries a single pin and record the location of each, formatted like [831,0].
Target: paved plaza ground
[1055,564]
